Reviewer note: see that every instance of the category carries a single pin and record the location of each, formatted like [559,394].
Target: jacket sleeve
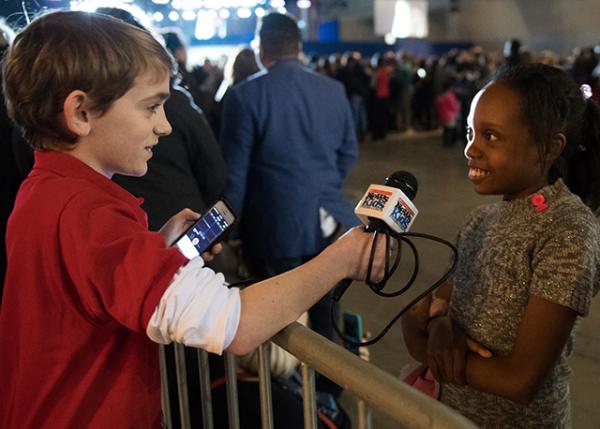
[237,141]
[348,151]
[205,158]
[117,269]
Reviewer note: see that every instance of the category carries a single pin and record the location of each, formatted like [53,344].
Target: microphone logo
[389,205]
[402,215]
[376,199]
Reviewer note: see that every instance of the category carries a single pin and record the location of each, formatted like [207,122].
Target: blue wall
[416,46]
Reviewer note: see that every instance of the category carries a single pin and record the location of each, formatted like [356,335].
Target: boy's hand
[354,249]
[209,255]
[177,225]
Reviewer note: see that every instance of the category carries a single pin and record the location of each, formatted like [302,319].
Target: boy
[87,285]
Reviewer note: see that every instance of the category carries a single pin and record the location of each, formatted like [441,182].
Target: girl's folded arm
[414,322]
[414,329]
[541,337]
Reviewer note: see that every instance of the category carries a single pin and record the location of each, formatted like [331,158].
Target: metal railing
[374,388]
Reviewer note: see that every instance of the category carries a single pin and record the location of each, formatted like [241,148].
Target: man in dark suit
[288,139]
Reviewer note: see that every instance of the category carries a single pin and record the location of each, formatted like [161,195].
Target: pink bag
[422,379]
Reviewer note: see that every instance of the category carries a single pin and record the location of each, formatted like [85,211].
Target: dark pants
[449,136]
[380,123]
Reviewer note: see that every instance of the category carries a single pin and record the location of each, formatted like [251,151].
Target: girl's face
[503,159]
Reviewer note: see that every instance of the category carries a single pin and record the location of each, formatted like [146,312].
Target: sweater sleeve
[565,267]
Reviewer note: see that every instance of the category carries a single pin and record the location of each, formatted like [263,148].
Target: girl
[529,265]
[448,108]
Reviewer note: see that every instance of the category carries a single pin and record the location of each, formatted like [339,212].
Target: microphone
[386,207]
[389,205]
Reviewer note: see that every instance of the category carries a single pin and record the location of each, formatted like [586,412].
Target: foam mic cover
[390,204]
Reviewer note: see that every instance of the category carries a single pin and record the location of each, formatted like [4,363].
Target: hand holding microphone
[388,210]
[384,209]
[357,266]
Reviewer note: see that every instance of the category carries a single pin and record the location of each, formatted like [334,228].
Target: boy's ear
[557,145]
[76,113]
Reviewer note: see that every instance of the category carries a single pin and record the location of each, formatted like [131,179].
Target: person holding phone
[87,291]
[206,231]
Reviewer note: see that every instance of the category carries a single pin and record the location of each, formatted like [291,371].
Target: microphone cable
[377,287]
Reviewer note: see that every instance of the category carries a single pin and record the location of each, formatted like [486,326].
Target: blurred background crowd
[390,91]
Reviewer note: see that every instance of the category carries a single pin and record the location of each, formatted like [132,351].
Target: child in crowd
[448,108]
[88,286]
[528,266]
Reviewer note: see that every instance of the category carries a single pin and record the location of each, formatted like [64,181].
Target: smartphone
[353,330]
[207,230]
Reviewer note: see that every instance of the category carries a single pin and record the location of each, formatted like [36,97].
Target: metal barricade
[374,388]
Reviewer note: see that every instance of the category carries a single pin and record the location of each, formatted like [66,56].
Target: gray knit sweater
[507,253]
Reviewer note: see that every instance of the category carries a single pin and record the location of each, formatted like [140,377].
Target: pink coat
[447,107]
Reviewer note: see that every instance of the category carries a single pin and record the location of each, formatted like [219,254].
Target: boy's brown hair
[60,52]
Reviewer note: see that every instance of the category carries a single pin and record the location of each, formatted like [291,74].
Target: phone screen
[203,233]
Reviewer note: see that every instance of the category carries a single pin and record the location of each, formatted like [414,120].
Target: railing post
[380,390]
[165,401]
[264,383]
[376,389]
[205,393]
[364,415]
[309,397]
[232,393]
[182,391]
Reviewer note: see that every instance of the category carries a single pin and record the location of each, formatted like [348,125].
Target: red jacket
[382,82]
[84,276]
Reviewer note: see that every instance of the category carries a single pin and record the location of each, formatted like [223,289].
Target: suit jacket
[288,140]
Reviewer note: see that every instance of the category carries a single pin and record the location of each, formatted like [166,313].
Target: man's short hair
[279,36]
[172,41]
[63,51]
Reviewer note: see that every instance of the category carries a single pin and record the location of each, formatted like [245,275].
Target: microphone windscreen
[388,204]
[404,181]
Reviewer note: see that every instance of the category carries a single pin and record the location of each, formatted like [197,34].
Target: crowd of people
[398,91]
[93,281]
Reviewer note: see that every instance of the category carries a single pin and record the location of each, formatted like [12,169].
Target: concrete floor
[444,198]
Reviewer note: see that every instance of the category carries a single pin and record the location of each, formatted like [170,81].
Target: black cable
[412,277]
[378,286]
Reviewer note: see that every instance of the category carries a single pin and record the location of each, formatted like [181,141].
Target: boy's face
[121,140]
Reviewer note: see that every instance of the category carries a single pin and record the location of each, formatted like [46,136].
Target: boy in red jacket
[88,286]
